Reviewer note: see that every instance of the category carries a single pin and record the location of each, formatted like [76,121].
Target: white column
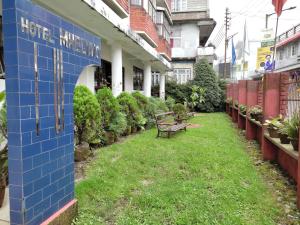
[116,68]
[147,80]
[162,84]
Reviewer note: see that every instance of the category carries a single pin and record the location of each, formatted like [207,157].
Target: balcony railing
[290,33]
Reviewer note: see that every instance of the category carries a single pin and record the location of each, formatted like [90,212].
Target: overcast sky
[254,12]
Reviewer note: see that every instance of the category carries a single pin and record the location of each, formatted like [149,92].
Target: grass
[203,176]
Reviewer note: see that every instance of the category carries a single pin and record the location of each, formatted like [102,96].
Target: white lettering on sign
[66,39]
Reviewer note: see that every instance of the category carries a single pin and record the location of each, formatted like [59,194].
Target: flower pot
[273,133]
[284,139]
[260,118]
[2,191]
[295,143]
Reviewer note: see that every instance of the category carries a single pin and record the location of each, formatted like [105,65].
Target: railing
[289,33]
[202,51]
[292,100]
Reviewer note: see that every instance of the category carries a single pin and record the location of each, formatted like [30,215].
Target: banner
[263,56]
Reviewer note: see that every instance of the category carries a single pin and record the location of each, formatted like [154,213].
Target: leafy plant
[274,123]
[87,115]
[170,102]
[255,110]
[292,126]
[198,96]
[129,107]
[229,101]
[118,124]
[109,106]
[243,109]
[180,111]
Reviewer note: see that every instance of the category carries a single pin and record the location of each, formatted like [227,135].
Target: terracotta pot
[284,139]
[295,143]
[2,191]
[273,133]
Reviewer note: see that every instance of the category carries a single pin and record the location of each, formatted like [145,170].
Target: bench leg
[169,134]
[158,133]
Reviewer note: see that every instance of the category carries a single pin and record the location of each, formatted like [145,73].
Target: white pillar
[162,83]
[147,80]
[116,68]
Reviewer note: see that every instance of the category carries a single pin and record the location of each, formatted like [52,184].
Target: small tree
[131,109]
[197,97]
[87,115]
[109,106]
[205,77]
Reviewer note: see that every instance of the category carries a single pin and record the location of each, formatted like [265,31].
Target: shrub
[118,124]
[179,92]
[109,106]
[197,97]
[130,108]
[170,102]
[180,111]
[205,77]
[87,115]
[159,105]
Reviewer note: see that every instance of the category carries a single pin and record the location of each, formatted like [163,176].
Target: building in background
[192,26]
[288,51]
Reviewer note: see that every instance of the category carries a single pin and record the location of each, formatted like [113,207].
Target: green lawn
[203,176]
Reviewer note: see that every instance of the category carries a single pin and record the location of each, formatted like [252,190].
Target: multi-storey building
[135,39]
[192,26]
[288,50]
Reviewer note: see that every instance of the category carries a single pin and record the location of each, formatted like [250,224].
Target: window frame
[182,78]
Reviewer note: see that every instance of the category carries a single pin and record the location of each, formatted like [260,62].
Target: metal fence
[293,96]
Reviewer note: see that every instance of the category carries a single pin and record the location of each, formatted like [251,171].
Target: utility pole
[227,20]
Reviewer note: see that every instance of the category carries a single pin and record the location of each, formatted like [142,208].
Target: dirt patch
[193,126]
[280,185]
[146,182]
[199,114]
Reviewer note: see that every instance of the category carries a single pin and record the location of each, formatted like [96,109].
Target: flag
[233,55]
[278,4]
[246,48]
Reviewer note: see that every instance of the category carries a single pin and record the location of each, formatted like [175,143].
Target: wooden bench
[165,123]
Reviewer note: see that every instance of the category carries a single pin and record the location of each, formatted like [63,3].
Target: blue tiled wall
[41,167]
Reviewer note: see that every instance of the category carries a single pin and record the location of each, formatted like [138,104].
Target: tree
[206,78]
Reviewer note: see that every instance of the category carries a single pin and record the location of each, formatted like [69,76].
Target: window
[294,49]
[176,38]
[179,5]
[138,79]
[152,11]
[155,78]
[182,75]
[137,2]
[163,26]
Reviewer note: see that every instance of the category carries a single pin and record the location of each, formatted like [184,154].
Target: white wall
[87,78]
[189,41]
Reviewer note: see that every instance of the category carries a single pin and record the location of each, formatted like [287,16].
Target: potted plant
[293,130]
[283,133]
[273,126]
[256,113]
[180,112]
[236,104]
[229,101]
[243,109]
